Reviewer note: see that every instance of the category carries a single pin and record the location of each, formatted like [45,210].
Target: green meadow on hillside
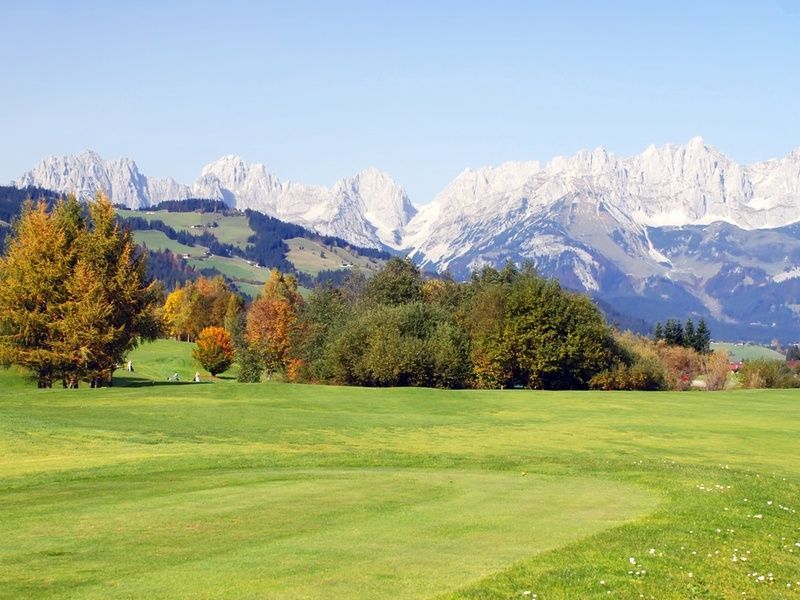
[306,255]
[230,229]
[747,351]
[311,257]
[158,240]
[166,490]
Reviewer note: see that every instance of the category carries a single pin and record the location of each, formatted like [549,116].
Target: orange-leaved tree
[273,326]
[74,293]
[214,350]
[198,304]
[32,272]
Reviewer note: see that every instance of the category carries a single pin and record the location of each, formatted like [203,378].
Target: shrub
[681,365]
[716,367]
[766,373]
[408,344]
[640,368]
[250,366]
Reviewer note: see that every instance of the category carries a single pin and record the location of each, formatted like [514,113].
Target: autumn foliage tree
[74,296]
[716,367]
[214,350]
[36,265]
[273,325]
[198,304]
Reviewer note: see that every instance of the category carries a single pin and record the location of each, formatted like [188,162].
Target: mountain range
[674,231]
[368,209]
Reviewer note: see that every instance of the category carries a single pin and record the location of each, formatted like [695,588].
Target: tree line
[503,328]
[675,333]
[75,298]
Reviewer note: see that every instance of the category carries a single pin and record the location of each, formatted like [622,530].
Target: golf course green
[222,490]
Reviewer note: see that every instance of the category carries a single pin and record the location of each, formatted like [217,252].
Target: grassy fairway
[228,490]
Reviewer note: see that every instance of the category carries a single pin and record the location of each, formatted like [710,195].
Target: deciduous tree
[272,322]
[214,350]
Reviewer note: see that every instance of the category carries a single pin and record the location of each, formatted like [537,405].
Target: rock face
[369,209]
[673,231]
[672,186]
[85,174]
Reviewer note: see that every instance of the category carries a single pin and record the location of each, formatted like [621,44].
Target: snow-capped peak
[668,185]
[87,173]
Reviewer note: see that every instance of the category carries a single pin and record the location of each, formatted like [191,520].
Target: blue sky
[422,90]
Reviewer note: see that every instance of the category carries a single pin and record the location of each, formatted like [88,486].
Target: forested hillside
[240,246]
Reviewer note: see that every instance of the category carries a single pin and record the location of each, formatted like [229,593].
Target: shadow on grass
[136,382]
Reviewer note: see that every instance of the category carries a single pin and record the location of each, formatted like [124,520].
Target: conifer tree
[233,312]
[689,334]
[119,284]
[702,338]
[32,274]
[673,332]
[74,297]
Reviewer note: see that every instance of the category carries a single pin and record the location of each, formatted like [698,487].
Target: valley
[673,231]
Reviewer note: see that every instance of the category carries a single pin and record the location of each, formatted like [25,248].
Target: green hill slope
[306,255]
[747,351]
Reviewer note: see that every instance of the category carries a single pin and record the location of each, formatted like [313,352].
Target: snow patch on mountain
[87,173]
[667,186]
[787,275]
[369,209]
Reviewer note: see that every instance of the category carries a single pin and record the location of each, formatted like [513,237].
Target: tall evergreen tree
[689,334]
[702,338]
[673,332]
[32,276]
[74,297]
[119,284]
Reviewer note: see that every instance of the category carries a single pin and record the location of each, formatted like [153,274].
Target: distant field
[223,490]
[248,278]
[249,289]
[312,257]
[747,352]
[157,240]
[305,255]
[234,267]
[230,230]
